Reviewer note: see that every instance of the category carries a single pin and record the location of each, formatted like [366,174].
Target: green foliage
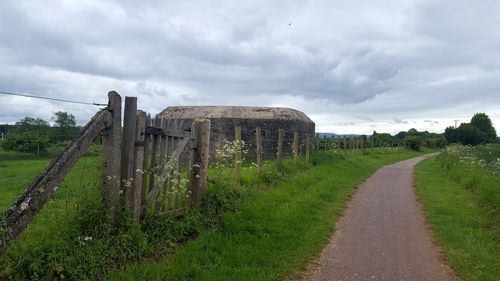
[413,142]
[459,192]
[26,141]
[480,130]
[483,123]
[63,119]
[382,138]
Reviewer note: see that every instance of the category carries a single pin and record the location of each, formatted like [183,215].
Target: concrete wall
[222,131]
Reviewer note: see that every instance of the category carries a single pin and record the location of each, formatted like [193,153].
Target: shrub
[27,141]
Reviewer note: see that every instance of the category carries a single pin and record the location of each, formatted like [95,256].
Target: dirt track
[383,235]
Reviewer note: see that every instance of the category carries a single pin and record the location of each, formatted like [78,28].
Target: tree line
[480,130]
[35,135]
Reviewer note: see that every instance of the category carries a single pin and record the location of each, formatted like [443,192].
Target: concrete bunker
[225,118]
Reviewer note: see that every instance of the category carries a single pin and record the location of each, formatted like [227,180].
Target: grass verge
[464,222]
[273,234]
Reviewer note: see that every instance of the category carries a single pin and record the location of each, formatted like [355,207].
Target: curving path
[383,235]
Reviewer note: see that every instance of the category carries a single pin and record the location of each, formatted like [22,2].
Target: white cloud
[352,66]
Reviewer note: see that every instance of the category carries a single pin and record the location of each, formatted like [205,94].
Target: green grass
[274,234]
[54,218]
[265,229]
[463,221]
[15,175]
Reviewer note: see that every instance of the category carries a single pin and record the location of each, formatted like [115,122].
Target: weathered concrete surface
[383,235]
[225,118]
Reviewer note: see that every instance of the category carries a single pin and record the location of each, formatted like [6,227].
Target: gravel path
[383,235]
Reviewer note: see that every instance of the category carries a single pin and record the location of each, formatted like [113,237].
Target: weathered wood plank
[112,157]
[308,148]
[153,194]
[127,149]
[43,187]
[281,135]
[237,154]
[198,160]
[139,151]
[173,132]
[258,143]
[295,146]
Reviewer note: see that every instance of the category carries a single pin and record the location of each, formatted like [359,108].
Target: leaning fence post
[198,160]
[258,144]
[112,156]
[308,147]
[281,133]
[237,154]
[128,143]
[139,150]
[295,146]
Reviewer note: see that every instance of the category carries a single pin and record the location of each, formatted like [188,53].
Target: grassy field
[460,194]
[274,235]
[265,229]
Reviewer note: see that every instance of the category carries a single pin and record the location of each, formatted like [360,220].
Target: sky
[352,66]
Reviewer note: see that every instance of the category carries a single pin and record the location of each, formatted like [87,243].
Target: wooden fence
[296,149]
[353,143]
[141,170]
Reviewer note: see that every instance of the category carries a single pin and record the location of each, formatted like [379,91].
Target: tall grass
[459,190]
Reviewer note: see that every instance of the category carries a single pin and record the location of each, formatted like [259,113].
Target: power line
[52,99]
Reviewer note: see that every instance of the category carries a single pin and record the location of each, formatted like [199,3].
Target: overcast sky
[352,66]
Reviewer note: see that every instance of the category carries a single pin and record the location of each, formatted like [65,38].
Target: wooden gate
[153,168]
[141,167]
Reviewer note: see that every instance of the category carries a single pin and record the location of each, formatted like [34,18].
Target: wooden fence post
[128,144]
[112,155]
[139,151]
[295,146]
[198,160]
[258,143]
[316,142]
[281,133]
[308,147]
[237,154]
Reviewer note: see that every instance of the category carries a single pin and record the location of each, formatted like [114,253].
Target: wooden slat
[139,151]
[112,157]
[147,154]
[258,144]
[154,158]
[158,131]
[198,160]
[237,154]
[162,160]
[173,213]
[127,149]
[170,165]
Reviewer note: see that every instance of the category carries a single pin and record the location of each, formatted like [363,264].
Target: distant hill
[333,135]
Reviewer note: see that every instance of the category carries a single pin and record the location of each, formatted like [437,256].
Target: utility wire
[53,99]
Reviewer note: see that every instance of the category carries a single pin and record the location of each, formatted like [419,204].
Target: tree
[413,142]
[451,135]
[64,126]
[63,119]
[479,130]
[32,124]
[483,123]
[469,134]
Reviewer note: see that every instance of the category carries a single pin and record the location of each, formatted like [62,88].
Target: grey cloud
[416,59]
